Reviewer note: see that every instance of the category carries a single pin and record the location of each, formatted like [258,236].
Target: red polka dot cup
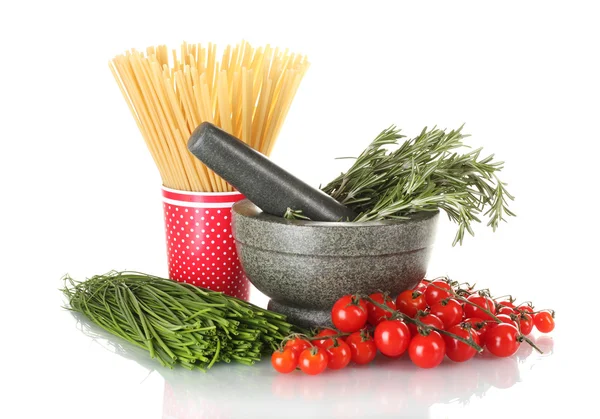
[200,246]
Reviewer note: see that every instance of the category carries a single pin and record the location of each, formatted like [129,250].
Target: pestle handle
[264,183]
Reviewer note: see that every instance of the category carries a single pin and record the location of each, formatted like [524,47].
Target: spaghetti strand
[248,93]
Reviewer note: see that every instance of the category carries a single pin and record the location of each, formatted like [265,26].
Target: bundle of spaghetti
[248,94]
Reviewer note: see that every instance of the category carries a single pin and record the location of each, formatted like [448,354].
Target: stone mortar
[305,266]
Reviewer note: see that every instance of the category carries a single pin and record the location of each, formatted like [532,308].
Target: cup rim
[182,192]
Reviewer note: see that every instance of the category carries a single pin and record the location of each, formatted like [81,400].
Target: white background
[80,193]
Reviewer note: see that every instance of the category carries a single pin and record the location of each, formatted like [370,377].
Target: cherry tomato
[525,307]
[392,337]
[427,351]
[526,322]
[349,314]
[505,318]
[284,361]
[544,322]
[325,343]
[505,310]
[422,286]
[428,318]
[464,293]
[479,326]
[433,294]
[362,347]
[502,339]
[376,314]
[339,355]
[409,302]
[450,312]
[313,361]
[459,351]
[481,301]
[505,304]
[297,345]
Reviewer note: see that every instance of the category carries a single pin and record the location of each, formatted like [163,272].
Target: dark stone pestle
[267,185]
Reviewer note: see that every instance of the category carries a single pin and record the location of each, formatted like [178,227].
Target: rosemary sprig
[291,214]
[424,173]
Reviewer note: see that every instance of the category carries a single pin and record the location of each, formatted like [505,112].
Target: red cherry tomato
[339,355]
[313,361]
[479,326]
[526,322]
[507,319]
[362,347]
[427,351]
[481,301]
[325,343]
[376,314]
[349,314]
[505,310]
[505,304]
[433,294]
[392,337]
[459,351]
[297,345]
[502,339]
[422,286]
[525,307]
[544,322]
[450,312]
[284,361]
[428,318]
[409,302]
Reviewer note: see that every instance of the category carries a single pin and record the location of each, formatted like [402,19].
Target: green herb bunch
[425,173]
[177,323]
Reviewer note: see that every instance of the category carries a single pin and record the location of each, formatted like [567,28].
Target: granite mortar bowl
[305,266]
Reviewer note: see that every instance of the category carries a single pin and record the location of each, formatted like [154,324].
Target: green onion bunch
[177,323]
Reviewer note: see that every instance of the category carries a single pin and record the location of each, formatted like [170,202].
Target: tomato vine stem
[424,326]
[521,336]
[530,342]
[465,300]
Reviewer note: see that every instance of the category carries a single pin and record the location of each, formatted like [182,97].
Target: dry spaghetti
[248,94]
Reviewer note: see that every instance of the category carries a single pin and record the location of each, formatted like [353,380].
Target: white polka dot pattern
[200,246]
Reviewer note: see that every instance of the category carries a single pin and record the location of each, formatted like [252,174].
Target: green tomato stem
[464,300]
[339,335]
[424,326]
[530,342]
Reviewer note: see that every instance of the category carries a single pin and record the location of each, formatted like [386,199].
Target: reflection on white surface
[386,388]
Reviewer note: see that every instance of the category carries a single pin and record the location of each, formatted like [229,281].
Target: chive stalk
[177,323]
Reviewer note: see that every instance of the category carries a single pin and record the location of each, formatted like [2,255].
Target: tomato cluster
[316,354]
[436,319]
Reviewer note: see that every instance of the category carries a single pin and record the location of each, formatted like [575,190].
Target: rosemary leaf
[425,173]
